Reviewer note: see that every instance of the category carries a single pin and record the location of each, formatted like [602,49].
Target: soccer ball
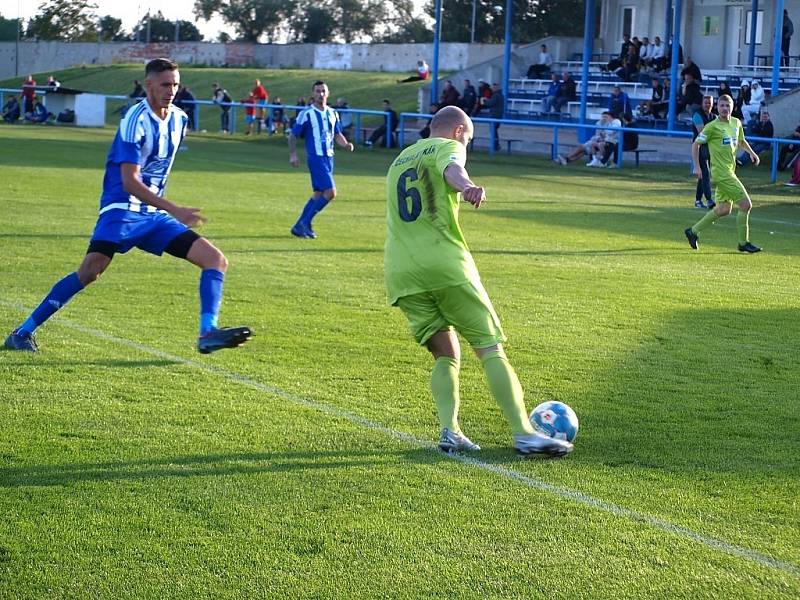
[555,419]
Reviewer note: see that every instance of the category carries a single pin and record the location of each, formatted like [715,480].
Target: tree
[413,31]
[162,30]
[349,20]
[9,29]
[110,29]
[67,20]
[252,19]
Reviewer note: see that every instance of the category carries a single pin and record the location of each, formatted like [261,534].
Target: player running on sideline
[722,136]
[432,278]
[134,213]
[320,126]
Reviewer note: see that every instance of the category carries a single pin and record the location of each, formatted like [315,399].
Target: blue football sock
[211,282]
[308,212]
[61,293]
[319,204]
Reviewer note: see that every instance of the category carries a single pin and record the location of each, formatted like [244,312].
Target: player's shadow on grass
[102,363]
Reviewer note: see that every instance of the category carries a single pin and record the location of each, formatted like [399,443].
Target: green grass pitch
[300,466]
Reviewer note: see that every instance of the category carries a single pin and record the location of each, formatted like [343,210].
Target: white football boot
[537,443]
[451,441]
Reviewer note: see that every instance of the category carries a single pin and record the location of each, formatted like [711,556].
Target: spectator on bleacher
[53,83]
[724,90]
[469,98]
[567,92]
[423,72]
[692,69]
[659,61]
[184,100]
[761,128]
[381,135]
[630,64]
[669,52]
[552,93]
[655,106]
[742,99]
[345,118]
[616,63]
[28,94]
[11,110]
[645,52]
[619,103]
[593,146]
[221,97]
[630,141]
[541,69]
[786,38]
[699,120]
[496,106]
[450,95]
[751,109]
[789,151]
[425,132]
[691,96]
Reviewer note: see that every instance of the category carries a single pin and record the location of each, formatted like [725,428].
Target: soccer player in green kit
[723,135]
[432,278]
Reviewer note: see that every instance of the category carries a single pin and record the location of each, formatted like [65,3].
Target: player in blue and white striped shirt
[320,126]
[134,213]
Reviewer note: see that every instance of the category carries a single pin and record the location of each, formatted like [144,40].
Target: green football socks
[707,220]
[444,386]
[743,226]
[507,391]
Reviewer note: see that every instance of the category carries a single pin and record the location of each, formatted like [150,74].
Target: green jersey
[425,248]
[722,138]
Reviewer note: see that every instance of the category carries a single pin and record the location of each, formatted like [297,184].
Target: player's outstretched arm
[745,145]
[696,159]
[132,182]
[292,150]
[342,141]
[457,178]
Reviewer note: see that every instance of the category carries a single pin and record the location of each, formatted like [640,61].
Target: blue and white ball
[556,420]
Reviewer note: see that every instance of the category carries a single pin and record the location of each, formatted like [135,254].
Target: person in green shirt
[722,137]
[432,278]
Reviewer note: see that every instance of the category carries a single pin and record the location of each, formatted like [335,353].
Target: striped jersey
[146,140]
[318,127]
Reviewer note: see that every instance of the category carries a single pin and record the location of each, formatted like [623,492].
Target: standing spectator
[763,128]
[53,83]
[11,110]
[789,151]
[669,52]
[138,91]
[423,72]
[700,119]
[320,127]
[659,61]
[185,100]
[619,103]
[543,65]
[552,93]
[250,106]
[484,93]
[279,117]
[786,38]
[345,117]
[469,98]
[723,135]
[450,95]
[381,135]
[261,97]
[753,107]
[497,106]
[28,94]
[301,102]
[223,100]
[425,132]
[742,99]
[692,68]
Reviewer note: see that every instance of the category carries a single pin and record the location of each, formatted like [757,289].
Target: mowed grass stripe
[568,494]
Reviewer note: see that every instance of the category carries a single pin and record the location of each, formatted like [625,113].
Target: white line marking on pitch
[566,493]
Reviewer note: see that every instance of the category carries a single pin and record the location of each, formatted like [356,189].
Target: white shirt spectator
[646,51]
[545,58]
[610,136]
[656,51]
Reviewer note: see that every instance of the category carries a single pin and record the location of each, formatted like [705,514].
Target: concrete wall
[41,57]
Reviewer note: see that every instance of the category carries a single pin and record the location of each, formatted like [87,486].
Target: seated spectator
[790,151]
[691,68]
[567,92]
[425,132]
[542,67]
[691,96]
[630,64]
[742,99]
[645,52]
[423,72]
[552,93]
[753,107]
[724,89]
[658,59]
[301,102]
[761,128]
[53,83]
[484,94]
[610,140]
[795,180]
[39,113]
[381,135]
[616,63]
[12,110]
[345,117]
[655,106]
[469,98]
[619,103]
[595,146]
[450,95]
[630,141]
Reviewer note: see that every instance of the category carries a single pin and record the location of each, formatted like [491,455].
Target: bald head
[452,123]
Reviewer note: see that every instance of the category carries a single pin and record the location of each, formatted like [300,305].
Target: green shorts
[466,308]
[729,189]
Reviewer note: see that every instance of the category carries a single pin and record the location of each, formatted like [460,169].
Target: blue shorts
[249,119]
[321,169]
[151,232]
